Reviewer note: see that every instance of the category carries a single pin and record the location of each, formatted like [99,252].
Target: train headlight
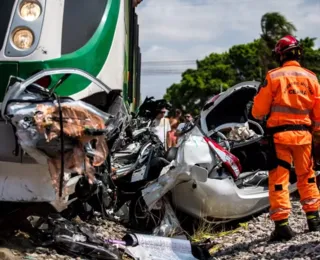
[22,38]
[30,10]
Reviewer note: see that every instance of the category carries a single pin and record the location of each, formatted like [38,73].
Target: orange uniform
[290,96]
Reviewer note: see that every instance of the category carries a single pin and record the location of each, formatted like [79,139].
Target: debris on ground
[55,237]
[144,247]
[74,239]
[249,241]
[170,225]
[17,244]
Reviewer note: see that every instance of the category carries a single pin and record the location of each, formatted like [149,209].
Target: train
[100,37]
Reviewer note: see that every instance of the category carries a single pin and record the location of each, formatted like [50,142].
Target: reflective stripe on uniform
[289,110]
[292,73]
[309,201]
[274,211]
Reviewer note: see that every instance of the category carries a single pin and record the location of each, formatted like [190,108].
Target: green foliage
[242,62]
[274,26]
[311,57]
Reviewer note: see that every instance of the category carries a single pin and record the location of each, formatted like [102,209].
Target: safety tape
[289,73]
[289,110]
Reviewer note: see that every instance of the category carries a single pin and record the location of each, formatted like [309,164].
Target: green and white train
[100,37]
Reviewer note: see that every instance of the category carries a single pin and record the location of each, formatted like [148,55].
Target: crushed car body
[36,126]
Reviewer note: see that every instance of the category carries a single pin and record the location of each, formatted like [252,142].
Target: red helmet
[286,44]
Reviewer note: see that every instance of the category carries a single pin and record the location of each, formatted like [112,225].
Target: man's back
[290,93]
[293,86]
[289,96]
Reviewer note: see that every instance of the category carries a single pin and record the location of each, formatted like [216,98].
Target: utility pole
[260,72]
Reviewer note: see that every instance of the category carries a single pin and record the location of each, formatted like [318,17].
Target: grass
[206,231]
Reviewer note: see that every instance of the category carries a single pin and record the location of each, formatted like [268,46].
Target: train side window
[81,19]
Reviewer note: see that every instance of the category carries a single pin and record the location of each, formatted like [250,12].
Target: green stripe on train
[90,57]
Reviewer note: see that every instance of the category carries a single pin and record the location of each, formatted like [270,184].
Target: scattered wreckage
[69,152]
[66,151]
[86,156]
[82,240]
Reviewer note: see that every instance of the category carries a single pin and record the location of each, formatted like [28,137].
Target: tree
[273,26]
[240,63]
[311,56]
[213,73]
[196,85]
[244,60]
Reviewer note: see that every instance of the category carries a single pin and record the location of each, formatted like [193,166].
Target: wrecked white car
[219,171]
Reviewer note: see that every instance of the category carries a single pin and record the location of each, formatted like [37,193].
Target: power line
[156,64]
[164,66]
[168,65]
[197,4]
[162,73]
[160,61]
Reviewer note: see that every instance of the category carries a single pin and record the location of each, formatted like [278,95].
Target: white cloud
[156,52]
[192,29]
[198,51]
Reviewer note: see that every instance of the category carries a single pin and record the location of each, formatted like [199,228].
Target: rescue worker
[290,99]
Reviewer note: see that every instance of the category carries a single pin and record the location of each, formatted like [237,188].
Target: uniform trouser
[280,205]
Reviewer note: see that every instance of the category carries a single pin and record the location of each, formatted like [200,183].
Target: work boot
[282,231]
[313,220]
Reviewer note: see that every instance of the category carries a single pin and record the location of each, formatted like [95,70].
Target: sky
[186,30]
